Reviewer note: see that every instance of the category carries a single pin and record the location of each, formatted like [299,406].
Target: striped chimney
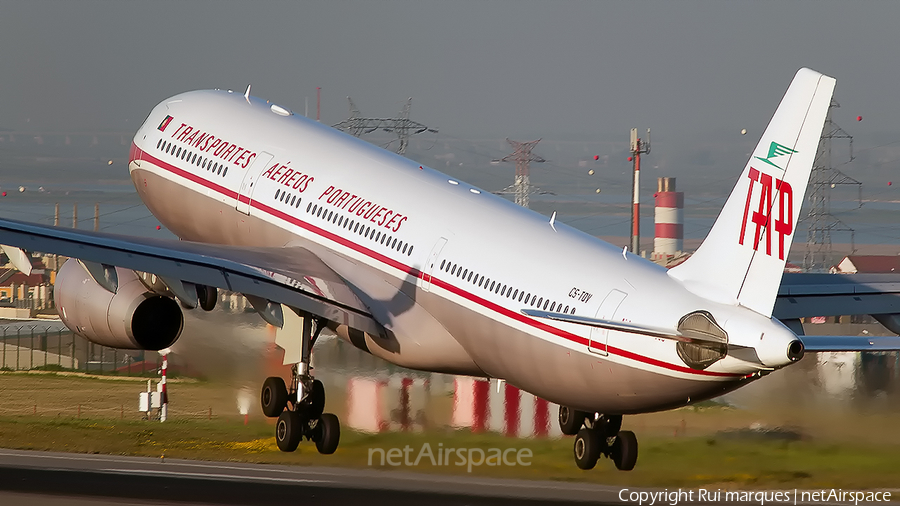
[669,237]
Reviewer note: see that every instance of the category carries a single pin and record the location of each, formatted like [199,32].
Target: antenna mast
[637,148]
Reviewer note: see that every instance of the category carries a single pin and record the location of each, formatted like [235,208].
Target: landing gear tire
[328,434]
[587,449]
[608,425]
[625,450]
[289,430]
[207,296]
[570,420]
[316,400]
[274,396]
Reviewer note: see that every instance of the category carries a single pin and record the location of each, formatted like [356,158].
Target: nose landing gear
[599,435]
[300,409]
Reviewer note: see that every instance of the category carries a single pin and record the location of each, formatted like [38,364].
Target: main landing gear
[596,435]
[300,409]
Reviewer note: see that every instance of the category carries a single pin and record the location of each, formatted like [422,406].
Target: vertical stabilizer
[742,259]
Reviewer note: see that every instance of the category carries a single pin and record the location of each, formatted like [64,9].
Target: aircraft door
[607,311]
[428,268]
[247,185]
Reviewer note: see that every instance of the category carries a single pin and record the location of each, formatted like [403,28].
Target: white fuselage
[462,262]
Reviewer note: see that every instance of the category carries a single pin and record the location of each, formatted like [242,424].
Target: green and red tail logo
[776,149]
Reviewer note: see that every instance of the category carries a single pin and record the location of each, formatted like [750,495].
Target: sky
[591,69]
[696,72]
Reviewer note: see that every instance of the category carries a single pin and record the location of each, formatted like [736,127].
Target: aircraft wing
[293,276]
[802,295]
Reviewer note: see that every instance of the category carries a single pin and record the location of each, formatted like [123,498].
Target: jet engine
[132,318]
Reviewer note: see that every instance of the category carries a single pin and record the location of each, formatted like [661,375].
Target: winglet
[742,259]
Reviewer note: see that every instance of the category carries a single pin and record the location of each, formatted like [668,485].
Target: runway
[57,479]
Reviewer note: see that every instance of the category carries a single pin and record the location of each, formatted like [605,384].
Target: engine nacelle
[132,318]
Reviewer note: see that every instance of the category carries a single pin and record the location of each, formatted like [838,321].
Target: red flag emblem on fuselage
[162,126]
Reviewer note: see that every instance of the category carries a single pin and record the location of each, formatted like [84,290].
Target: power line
[825,177]
[522,187]
[401,126]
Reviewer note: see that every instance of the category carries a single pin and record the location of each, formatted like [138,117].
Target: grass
[683,448]
[670,462]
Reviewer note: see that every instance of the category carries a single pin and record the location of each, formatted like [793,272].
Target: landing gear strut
[300,408]
[599,435]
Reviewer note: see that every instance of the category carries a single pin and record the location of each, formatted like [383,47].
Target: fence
[46,347]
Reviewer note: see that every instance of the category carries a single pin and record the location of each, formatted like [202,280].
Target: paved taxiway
[48,478]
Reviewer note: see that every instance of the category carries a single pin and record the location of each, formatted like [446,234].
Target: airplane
[319,229]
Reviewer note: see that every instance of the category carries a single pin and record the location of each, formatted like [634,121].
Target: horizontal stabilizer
[850,343]
[622,327]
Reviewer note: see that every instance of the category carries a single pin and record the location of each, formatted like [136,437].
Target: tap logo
[770,189]
[776,150]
